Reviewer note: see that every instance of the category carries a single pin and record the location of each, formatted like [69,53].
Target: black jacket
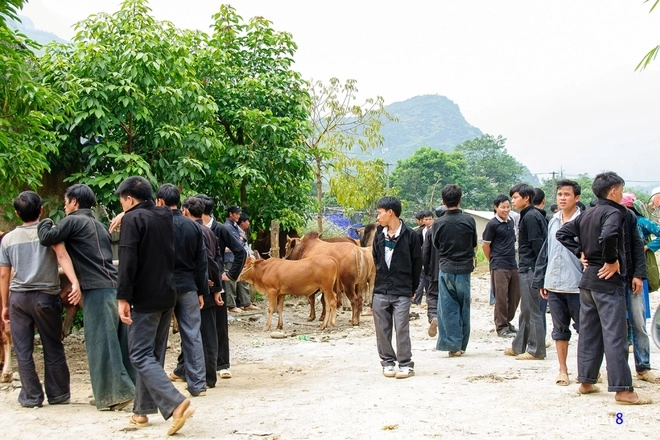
[532,232]
[455,237]
[227,241]
[599,233]
[88,243]
[635,257]
[215,275]
[146,258]
[190,265]
[402,277]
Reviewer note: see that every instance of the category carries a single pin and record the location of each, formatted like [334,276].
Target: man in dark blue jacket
[598,236]
[529,343]
[192,283]
[397,254]
[146,295]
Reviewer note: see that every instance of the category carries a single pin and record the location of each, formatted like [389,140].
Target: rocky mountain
[423,121]
[26,27]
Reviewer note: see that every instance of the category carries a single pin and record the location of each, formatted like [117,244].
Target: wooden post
[274,239]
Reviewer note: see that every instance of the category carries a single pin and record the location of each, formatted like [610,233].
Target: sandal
[174,378]
[137,424]
[562,380]
[648,376]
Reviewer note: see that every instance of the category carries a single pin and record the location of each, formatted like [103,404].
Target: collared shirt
[390,243]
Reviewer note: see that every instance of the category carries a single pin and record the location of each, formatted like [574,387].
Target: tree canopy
[223,114]
[28,109]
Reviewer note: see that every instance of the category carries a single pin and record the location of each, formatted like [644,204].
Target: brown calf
[275,278]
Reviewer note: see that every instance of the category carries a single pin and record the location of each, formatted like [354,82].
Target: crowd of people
[176,261]
[584,266]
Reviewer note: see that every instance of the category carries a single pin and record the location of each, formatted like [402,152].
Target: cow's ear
[257,255]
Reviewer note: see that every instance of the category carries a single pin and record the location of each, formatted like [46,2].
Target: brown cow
[5,352]
[276,278]
[349,258]
[369,276]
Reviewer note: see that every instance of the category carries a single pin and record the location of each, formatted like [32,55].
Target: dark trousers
[603,330]
[419,293]
[147,343]
[530,336]
[506,287]
[563,307]
[209,345]
[431,299]
[222,329]
[27,310]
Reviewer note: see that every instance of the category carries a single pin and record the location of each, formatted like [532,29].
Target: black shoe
[512,329]
[506,334]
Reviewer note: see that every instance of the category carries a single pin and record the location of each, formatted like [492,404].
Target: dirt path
[296,389]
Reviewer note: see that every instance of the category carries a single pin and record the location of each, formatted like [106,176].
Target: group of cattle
[311,264]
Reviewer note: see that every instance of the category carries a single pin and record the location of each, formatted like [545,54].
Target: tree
[420,178]
[489,171]
[27,111]
[136,105]
[339,124]
[653,53]
[261,119]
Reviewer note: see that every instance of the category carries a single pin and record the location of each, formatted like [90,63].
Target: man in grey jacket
[558,273]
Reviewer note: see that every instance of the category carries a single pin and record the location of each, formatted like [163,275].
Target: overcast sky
[556,78]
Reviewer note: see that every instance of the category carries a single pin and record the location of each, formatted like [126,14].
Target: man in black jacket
[193,208]
[600,232]
[192,283]
[90,246]
[529,343]
[455,236]
[225,241]
[398,257]
[146,295]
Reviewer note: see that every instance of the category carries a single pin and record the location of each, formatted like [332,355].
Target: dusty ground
[296,389]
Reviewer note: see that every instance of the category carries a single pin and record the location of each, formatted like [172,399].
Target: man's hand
[584,261]
[637,285]
[124,309]
[75,295]
[608,270]
[200,299]
[544,293]
[116,222]
[218,299]
[5,316]
[225,277]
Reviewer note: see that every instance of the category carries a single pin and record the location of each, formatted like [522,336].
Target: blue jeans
[147,343]
[531,335]
[392,311]
[27,310]
[636,317]
[453,311]
[188,315]
[106,342]
[603,330]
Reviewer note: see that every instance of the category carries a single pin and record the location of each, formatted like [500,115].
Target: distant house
[481,218]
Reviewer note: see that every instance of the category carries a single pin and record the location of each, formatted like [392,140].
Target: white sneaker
[224,374]
[389,371]
[405,372]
